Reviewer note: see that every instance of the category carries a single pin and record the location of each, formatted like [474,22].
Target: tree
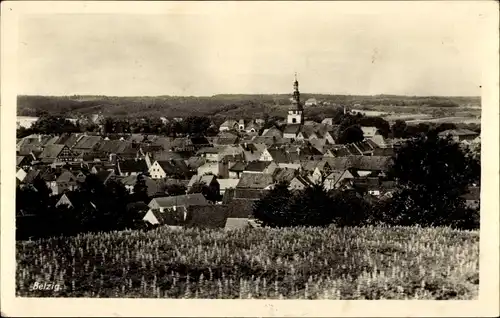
[399,129]
[351,134]
[141,189]
[175,189]
[203,188]
[312,207]
[432,174]
[273,208]
[350,209]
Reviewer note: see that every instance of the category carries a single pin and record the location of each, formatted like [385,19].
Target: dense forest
[225,106]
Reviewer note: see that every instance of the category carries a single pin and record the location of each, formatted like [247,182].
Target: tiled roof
[66,176]
[195,162]
[174,167]
[182,200]
[51,151]
[132,165]
[284,174]
[257,166]
[206,216]
[238,166]
[255,180]
[291,129]
[87,142]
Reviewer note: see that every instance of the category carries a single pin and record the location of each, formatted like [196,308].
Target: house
[311,102]
[284,174]
[267,167]
[75,201]
[209,180]
[459,134]
[251,151]
[370,132]
[272,132]
[226,184]
[193,163]
[236,170]
[130,181]
[219,169]
[199,142]
[24,161]
[259,181]
[240,202]
[206,216]
[211,154]
[299,183]
[221,141]
[66,181]
[56,153]
[291,131]
[129,167]
[252,127]
[173,209]
[337,179]
[85,144]
[229,124]
[161,169]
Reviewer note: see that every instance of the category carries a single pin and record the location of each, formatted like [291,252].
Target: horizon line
[248,94]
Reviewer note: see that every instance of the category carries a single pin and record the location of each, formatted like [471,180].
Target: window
[294,120]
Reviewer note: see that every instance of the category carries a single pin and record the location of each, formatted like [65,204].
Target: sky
[407,48]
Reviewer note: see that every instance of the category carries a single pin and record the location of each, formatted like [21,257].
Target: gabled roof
[273,131]
[87,142]
[181,200]
[226,140]
[306,182]
[284,174]
[78,201]
[66,176]
[174,166]
[225,184]
[238,166]
[30,176]
[132,165]
[165,155]
[51,151]
[206,179]
[292,129]
[206,216]
[195,162]
[230,123]
[257,166]
[255,180]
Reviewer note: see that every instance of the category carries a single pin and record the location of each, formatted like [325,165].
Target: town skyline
[343,50]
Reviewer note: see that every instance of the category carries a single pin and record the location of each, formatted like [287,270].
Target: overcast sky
[410,48]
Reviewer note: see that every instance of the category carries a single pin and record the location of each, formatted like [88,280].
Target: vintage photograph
[276,151]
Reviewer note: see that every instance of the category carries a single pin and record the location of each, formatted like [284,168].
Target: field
[300,263]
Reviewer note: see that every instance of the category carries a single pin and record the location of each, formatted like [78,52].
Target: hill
[228,105]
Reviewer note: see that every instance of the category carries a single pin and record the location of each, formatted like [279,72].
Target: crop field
[299,263]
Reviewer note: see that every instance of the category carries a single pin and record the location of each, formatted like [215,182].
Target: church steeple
[296,93]
[296,112]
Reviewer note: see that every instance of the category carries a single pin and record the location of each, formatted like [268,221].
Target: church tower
[296,111]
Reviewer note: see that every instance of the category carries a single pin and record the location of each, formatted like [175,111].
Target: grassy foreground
[307,263]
